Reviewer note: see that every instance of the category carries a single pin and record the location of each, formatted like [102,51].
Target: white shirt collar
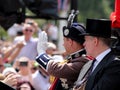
[100,57]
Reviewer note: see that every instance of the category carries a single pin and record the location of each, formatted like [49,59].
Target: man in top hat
[105,73]
[73,43]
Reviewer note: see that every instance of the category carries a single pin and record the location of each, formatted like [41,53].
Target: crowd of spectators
[18,68]
[20,71]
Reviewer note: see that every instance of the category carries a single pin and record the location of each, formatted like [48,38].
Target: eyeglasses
[28,30]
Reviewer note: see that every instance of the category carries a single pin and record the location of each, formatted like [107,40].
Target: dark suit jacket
[106,76]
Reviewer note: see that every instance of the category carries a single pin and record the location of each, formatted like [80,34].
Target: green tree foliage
[94,9]
[112,4]
[87,8]
[3,33]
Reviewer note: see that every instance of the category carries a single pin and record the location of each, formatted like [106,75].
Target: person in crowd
[41,79]
[24,85]
[14,30]
[105,70]
[67,71]
[30,43]
[52,32]
[23,66]
[12,51]
[51,47]
[9,51]
[8,82]
[34,24]
[53,52]
[10,77]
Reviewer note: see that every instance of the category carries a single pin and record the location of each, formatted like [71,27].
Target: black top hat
[98,27]
[73,32]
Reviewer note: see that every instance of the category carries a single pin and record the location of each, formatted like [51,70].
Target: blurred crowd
[29,62]
[18,67]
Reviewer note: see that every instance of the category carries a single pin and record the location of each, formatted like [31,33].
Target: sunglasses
[28,30]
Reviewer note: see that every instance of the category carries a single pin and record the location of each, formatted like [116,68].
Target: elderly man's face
[28,30]
[89,45]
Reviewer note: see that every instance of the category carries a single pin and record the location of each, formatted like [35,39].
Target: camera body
[23,63]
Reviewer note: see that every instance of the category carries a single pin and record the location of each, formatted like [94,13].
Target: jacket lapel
[83,71]
[91,79]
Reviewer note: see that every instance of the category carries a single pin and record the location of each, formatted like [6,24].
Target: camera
[23,63]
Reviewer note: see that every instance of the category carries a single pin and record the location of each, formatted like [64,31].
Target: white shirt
[100,57]
[53,31]
[30,49]
[40,82]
